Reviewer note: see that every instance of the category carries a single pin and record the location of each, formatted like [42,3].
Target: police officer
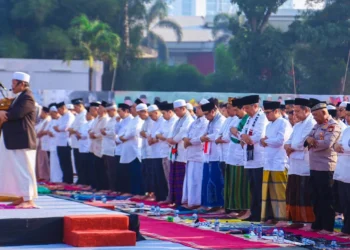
[323,159]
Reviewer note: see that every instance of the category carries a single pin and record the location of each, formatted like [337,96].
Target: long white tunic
[235,156]
[156,147]
[255,127]
[44,140]
[225,135]
[342,170]
[85,142]
[56,174]
[299,159]
[96,143]
[179,134]
[197,129]
[122,127]
[108,140]
[146,149]
[131,149]
[64,122]
[277,133]
[165,130]
[215,150]
[79,120]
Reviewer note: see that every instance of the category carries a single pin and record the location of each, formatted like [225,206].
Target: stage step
[99,238]
[98,230]
[96,222]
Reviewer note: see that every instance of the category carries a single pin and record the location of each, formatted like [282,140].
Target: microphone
[2,86]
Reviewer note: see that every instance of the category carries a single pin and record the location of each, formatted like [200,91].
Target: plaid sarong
[274,195]
[176,181]
[237,195]
[299,206]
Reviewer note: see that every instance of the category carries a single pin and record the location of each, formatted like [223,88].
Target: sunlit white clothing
[165,130]
[79,120]
[197,129]
[214,127]
[156,147]
[85,141]
[146,149]
[64,122]
[277,133]
[225,135]
[120,131]
[96,143]
[108,140]
[235,156]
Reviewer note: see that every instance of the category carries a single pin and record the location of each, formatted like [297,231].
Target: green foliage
[10,46]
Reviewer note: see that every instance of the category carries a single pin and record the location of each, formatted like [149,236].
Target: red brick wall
[204,62]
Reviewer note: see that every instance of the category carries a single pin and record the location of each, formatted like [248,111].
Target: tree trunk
[91,71]
[126,25]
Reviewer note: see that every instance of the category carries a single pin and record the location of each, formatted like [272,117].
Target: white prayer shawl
[197,129]
[17,172]
[256,126]
[277,132]
[108,140]
[299,159]
[80,119]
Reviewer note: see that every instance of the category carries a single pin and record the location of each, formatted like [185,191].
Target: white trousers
[192,187]
[17,172]
[56,174]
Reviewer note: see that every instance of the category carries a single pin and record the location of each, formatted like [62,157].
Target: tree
[156,18]
[225,26]
[258,13]
[93,40]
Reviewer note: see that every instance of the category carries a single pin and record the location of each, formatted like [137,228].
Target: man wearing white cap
[18,144]
[178,151]
[131,149]
[146,155]
[159,182]
[191,110]
[341,112]
[108,144]
[192,188]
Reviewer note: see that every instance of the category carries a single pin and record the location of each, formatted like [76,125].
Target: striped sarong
[212,185]
[274,195]
[236,192]
[176,181]
[298,198]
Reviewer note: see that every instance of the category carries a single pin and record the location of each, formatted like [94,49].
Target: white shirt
[45,140]
[53,140]
[131,149]
[108,140]
[156,148]
[342,170]
[96,144]
[197,129]
[256,132]
[225,135]
[80,119]
[85,142]
[64,122]
[177,136]
[165,130]
[299,159]
[235,150]
[277,133]
[120,131]
[146,150]
[215,150]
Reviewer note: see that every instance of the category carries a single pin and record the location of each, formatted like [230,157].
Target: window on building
[187,7]
[212,7]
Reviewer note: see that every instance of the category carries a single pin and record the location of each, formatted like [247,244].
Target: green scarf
[240,127]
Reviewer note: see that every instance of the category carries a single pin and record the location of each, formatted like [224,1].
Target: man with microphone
[18,144]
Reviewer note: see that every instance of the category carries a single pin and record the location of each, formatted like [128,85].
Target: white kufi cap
[203,101]
[343,104]
[153,108]
[189,106]
[141,107]
[21,77]
[179,103]
[70,106]
[331,107]
[53,109]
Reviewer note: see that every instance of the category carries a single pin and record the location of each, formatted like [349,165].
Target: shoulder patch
[330,128]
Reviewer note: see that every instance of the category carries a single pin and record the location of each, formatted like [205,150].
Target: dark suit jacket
[18,131]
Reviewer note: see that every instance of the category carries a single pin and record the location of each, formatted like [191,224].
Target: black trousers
[255,177]
[344,193]
[77,162]
[110,162]
[84,169]
[101,174]
[65,160]
[322,199]
[160,182]
[122,175]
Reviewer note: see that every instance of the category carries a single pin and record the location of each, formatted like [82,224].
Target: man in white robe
[18,145]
